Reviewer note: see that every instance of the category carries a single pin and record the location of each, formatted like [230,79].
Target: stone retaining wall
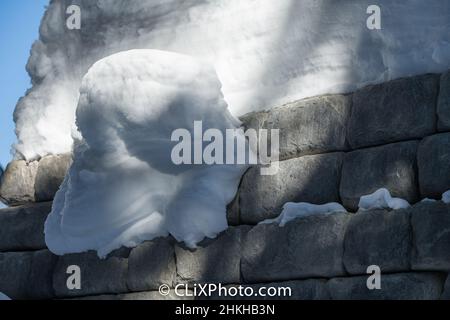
[333,149]
[36,181]
[337,148]
[318,257]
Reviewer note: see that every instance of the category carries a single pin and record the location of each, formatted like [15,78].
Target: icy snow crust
[293,211]
[123,188]
[381,199]
[446,197]
[265,52]
[4,297]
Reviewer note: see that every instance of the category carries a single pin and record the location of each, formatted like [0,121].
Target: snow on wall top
[265,52]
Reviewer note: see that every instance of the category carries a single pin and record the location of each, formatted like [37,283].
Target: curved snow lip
[123,188]
[381,199]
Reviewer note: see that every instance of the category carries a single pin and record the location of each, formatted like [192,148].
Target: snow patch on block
[293,210]
[381,199]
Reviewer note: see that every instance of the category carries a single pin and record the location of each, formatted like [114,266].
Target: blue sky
[19,28]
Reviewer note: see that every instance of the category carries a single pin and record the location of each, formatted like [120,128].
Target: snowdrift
[265,52]
[123,187]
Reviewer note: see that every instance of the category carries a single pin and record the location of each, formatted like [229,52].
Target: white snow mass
[123,187]
[4,297]
[428,200]
[446,197]
[293,210]
[381,199]
[265,52]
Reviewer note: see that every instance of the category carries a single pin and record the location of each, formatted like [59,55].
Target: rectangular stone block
[379,238]
[398,110]
[431,231]
[35,181]
[27,275]
[17,183]
[213,261]
[443,107]
[434,165]
[304,248]
[397,286]
[151,264]
[15,270]
[309,126]
[41,275]
[50,174]
[391,166]
[98,276]
[22,228]
[312,179]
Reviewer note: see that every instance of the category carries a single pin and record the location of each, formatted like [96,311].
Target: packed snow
[293,211]
[266,52]
[446,197]
[3,297]
[428,200]
[123,187]
[381,199]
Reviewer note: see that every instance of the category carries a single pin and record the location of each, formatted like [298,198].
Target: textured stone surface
[314,125]
[394,111]
[15,269]
[400,286]
[27,275]
[233,214]
[50,175]
[431,227]
[443,108]
[312,179]
[311,289]
[446,293]
[303,248]
[17,182]
[379,238]
[434,165]
[144,295]
[98,276]
[40,279]
[213,261]
[22,228]
[391,166]
[150,265]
